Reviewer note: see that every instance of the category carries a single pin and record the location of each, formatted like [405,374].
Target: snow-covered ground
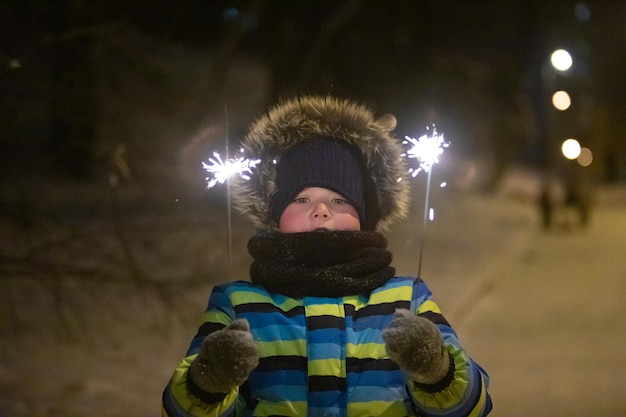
[96,315]
[551,324]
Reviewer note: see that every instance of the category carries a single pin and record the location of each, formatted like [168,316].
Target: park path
[550,325]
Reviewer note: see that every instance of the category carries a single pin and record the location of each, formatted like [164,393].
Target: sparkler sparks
[220,170]
[426,149]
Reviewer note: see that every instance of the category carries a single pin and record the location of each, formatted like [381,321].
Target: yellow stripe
[286,408]
[428,305]
[366,350]
[332,366]
[282,348]
[378,408]
[216,316]
[247,297]
[391,295]
[325,310]
[358,301]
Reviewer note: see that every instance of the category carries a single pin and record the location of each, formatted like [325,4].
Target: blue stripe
[383,379]
[324,351]
[363,394]
[280,393]
[311,301]
[220,299]
[327,399]
[423,291]
[325,336]
[292,378]
[286,377]
[366,335]
[324,411]
[278,332]
[194,348]
[278,318]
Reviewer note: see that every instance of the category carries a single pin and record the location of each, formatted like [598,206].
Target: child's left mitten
[226,359]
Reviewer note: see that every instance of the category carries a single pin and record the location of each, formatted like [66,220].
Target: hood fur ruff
[289,122]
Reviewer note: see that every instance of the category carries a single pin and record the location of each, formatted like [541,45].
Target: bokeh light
[561,100]
[561,60]
[582,12]
[570,148]
[585,158]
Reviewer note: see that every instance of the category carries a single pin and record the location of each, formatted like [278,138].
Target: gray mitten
[226,358]
[416,345]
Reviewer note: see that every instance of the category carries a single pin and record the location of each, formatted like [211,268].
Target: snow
[94,316]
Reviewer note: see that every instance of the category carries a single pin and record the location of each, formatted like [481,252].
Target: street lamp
[570,148]
[561,60]
[561,100]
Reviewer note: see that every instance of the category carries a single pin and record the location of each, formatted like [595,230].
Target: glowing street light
[570,148]
[561,60]
[561,100]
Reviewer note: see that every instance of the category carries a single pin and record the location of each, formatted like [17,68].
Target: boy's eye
[300,200]
[339,201]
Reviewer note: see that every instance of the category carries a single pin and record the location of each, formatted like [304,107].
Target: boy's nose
[321,210]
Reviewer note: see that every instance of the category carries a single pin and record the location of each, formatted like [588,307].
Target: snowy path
[552,330]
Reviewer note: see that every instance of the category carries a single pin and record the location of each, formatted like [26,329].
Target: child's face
[316,208]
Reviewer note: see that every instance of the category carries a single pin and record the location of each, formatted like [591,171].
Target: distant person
[547,204]
[578,199]
[324,327]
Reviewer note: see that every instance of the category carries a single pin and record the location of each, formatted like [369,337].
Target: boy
[324,327]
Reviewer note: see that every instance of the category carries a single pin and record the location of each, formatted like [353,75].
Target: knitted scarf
[320,264]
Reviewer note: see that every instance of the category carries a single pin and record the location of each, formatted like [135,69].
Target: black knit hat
[319,162]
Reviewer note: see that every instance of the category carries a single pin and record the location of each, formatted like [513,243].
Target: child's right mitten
[226,358]
[415,343]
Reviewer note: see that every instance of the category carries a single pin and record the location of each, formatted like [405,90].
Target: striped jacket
[326,357]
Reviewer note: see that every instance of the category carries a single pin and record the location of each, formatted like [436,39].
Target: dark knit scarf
[320,264]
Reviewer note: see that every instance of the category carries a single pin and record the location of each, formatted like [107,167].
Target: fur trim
[294,120]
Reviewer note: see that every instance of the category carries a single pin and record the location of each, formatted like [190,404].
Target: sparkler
[220,171]
[426,150]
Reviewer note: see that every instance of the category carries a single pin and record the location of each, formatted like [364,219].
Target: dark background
[85,84]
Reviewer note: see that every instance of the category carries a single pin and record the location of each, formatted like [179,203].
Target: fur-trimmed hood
[289,122]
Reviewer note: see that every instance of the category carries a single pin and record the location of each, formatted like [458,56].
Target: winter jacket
[326,357]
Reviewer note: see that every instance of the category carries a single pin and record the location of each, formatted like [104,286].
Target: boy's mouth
[321,229]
